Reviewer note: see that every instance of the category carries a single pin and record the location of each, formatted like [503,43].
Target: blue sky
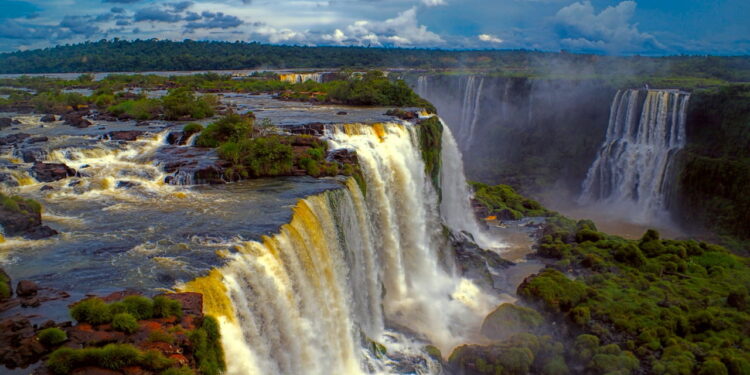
[650,27]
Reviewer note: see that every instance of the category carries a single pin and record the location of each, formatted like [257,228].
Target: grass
[113,357]
[503,201]
[51,337]
[95,311]
[208,351]
[17,203]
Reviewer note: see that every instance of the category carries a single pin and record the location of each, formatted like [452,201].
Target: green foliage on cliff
[95,311]
[183,103]
[113,357]
[125,322]
[5,288]
[520,355]
[503,201]
[715,165]
[258,157]
[669,302]
[430,133]
[206,342]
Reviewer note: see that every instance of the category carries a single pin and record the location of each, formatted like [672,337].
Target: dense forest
[163,55]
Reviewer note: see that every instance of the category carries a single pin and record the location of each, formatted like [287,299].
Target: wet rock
[475,263]
[125,135]
[13,139]
[46,188]
[26,288]
[404,115]
[344,156]
[30,302]
[174,138]
[342,113]
[126,184]
[38,139]
[75,119]
[192,303]
[48,118]
[74,183]
[41,232]
[33,155]
[142,123]
[18,346]
[314,128]
[5,122]
[48,172]
[8,179]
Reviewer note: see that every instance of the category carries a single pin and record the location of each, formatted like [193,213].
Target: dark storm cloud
[158,15]
[212,20]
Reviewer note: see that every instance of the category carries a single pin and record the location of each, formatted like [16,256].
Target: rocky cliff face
[531,133]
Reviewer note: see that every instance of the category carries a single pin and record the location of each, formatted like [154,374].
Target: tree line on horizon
[118,55]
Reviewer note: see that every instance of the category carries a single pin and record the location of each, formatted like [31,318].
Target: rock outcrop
[48,172]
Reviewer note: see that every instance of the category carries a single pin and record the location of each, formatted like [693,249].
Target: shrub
[161,336]
[5,291]
[712,367]
[192,128]
[230,128]
[125,322]
[140,307]
[165,307]
[113,356]
[50,337]
[140,109]
[92,311]
[182,102]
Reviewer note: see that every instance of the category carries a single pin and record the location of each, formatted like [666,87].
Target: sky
[646,27]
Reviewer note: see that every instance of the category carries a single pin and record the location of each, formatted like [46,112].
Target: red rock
[125,135]
[116,296]
[192,303]
[26,288]
[179,359]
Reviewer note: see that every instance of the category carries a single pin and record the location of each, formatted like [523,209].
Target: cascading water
[301,77]
[354,264]
[646,130]
[472,89]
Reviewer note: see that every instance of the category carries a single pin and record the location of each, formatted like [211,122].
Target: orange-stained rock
[95,371]
[179,359]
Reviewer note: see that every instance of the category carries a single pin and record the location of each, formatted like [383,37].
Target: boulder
[26,288]
[33,155]
[5,122]
[8,179]
[342,113]
[13,139]
[174,138]
[48,172]
[126,184]
[38,139]
[125,135]
[48,118]
[75,119]
[192,303]
[41,232]
[343,156]
[508,320]
[18,346]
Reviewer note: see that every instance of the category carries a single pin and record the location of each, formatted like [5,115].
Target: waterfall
[354,264]
[472,93]
[301,77]
[646,130]
[422,86]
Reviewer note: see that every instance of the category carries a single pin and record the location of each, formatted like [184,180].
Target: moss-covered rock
[508,320]
[430,133]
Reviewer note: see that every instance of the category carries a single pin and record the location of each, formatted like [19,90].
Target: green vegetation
[503,201]
[509,319]
[430,143]
[183,103]
[51,337]
[5,288]
[371,88]
[139,109]
[250,154]
[113,356]
[208,351]
[178,371]
[95,311]
[669,302]
[520,355]
[17,203]
[165,55]
[715,165]
[125,322]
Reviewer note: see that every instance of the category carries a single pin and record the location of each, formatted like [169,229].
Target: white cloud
[433,3]
[579,26]
[489,38]
[402,30]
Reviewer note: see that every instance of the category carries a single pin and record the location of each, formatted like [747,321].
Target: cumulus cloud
[117,10]
[121,1]
[180,6]
[432,3]
[79,25]
[580,27]
[489,38]
[402,30]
